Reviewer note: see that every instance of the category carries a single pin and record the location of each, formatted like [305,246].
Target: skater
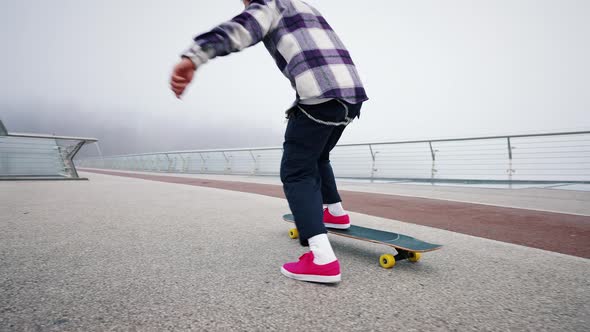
[329,95]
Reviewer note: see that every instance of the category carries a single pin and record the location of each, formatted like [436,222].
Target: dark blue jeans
[306,173]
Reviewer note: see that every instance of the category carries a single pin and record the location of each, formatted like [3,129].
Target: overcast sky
[432,69]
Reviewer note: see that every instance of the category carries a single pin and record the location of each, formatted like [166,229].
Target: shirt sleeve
[242,31]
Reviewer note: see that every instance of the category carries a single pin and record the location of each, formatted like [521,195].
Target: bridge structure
[562,157]
[156,242]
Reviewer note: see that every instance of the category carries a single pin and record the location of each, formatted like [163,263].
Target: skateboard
[407,247]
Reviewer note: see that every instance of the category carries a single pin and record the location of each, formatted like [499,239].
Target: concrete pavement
[128,254]
[555,231]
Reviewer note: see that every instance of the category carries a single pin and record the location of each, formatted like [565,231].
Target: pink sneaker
[306,270]
[340,222]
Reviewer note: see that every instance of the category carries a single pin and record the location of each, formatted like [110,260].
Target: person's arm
[244,30]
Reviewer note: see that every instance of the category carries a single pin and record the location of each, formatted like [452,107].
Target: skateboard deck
[407,246]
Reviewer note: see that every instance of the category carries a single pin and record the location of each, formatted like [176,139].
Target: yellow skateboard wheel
[293,233]
[387,261]
[414,257]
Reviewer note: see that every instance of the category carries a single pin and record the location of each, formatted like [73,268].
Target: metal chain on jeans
[346,121]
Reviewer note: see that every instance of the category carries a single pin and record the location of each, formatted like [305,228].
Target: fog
[432,69]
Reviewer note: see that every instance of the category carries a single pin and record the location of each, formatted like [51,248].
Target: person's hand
[182,75]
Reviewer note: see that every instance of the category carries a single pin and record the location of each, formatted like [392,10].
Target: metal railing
[33,156]
[548,157]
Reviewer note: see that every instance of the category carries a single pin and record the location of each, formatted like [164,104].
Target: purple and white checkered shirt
[304,46]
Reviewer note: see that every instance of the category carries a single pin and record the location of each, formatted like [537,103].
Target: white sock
[336,209]
[322,250]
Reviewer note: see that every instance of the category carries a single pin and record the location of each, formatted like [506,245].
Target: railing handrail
[71,138]
[354,144]
[473,138]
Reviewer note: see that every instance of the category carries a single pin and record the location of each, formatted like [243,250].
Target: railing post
[69,160]
[204,166]
[227,162]
[510,170]
[255,162]
[188,163]
[433,170]
[373,155]
[169,163]
[183,169]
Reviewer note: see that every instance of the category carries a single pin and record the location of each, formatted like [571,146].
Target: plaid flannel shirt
[305,48]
